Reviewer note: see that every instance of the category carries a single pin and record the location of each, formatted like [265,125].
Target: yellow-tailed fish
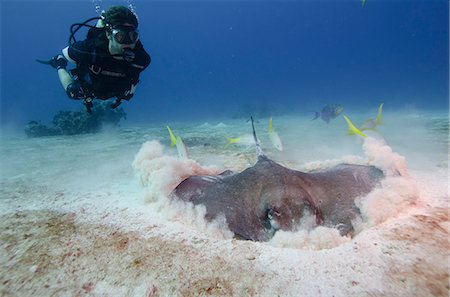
[181,148]
[352,128]
[274,137]
[173,140]
[371,124]
[178,142]
[242,140]
[232,140]
[380,110]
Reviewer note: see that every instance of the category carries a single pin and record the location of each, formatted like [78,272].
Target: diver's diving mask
[125,34]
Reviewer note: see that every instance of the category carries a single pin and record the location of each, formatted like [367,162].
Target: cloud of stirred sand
[160,174]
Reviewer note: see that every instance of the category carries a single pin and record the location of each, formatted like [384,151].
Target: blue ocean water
[91,214]
[216,59]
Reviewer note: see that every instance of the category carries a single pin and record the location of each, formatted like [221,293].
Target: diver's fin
[352,128]
[49,62]
[259,152]
[173,140]
[57,62]
[380,110]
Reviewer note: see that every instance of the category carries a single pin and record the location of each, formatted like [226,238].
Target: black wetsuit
[99,75]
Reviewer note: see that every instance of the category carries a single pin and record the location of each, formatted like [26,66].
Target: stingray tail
[259,152]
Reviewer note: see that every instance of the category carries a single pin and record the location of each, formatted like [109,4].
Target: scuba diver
[108,62]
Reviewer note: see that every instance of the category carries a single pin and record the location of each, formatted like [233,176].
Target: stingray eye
[270,214]
[268,218]
[306,208]
[271,217]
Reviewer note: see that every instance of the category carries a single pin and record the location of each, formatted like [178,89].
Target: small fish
[371,124]
[173,140]
[181,148]
[243,140]
[178,142]
[328,112]
[274,138]
[352,128]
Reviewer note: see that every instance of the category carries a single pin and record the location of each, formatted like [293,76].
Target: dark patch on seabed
[46,253]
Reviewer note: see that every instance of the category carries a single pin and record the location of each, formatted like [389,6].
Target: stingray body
[268,197]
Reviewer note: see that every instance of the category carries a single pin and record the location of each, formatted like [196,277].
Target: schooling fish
[328,112]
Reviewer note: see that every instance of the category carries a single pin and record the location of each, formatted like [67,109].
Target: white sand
[77,219]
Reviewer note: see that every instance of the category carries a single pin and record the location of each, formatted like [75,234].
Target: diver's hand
[116,103]
[58,62]
[126,96]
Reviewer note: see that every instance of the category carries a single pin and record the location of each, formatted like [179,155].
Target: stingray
[268,197]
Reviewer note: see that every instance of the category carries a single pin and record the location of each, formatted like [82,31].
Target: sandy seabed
[76,220]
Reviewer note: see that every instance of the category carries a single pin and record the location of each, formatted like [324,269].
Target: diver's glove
[127,95]
[57,62]
[89,105]
[116,103]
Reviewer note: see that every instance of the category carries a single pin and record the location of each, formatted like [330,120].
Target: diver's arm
[65,52]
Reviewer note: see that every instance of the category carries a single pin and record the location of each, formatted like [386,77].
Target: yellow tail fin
[270,125]
[380,110]
[173,140]
[352,128]
[232,140]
